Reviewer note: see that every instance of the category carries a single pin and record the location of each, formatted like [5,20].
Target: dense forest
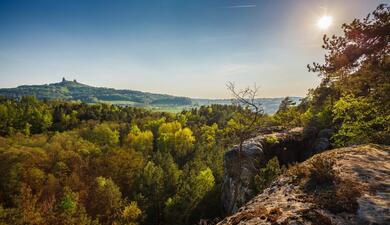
[103,163]
[76,91]
[76,163]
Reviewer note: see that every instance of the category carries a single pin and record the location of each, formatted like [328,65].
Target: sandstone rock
[285,202]
[241,167]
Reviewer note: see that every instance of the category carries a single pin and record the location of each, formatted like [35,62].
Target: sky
[181,47]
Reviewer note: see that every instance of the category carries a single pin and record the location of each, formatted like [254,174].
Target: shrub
[298,172]
[324,186]
[267,174]
[360,121]
[321,171]
[316,173]
[339,197]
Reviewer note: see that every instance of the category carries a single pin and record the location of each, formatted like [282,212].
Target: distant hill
[75,91]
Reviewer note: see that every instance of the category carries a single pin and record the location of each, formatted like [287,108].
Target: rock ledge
[284,202]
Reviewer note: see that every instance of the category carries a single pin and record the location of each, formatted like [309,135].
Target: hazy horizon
[211,98]
[173,47]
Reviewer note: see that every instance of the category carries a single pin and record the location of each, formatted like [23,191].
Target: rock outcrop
[240,167]
[367,167]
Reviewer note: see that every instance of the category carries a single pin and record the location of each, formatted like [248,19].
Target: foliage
[361,121]
[285,104]
[131,213]
[267,174]
[340,197]
[68,202]
[141,141]
[102,135]
[352,98]
[363,40]
[271,139]
[324,186]
[64,162]
[27,115]
[322,171]
[104,199]
[246,122]
[189,196]
[74,90]
[176,140]
[290,117]
[102,164]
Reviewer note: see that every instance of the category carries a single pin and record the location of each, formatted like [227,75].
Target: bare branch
[246,97]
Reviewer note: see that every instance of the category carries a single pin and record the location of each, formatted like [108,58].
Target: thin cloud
[241,6]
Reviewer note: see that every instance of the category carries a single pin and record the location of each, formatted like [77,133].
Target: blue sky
[181,47]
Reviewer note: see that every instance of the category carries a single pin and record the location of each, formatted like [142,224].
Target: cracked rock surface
[284,202]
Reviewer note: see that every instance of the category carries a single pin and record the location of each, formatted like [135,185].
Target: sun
[324,22]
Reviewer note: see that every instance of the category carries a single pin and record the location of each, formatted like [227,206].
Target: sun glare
[324,22]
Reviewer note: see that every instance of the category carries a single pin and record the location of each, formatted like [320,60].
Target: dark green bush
[267,174]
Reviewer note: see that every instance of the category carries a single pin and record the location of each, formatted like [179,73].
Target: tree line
[75,163]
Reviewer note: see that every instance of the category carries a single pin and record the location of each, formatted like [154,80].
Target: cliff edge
[289,146]
[343,186]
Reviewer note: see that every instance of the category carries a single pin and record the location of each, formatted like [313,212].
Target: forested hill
[73,90]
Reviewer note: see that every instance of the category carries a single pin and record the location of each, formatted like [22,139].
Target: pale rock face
[241,167]
[368,166]
[238,176]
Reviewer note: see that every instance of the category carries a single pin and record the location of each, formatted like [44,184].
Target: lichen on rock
[362,178]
